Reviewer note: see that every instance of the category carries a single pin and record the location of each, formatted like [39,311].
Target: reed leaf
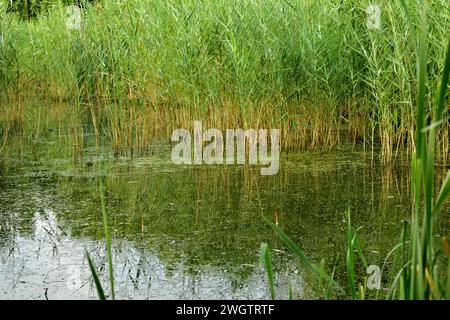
[264,258]
[98,286]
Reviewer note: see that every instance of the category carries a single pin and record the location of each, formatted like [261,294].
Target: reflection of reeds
[142,68]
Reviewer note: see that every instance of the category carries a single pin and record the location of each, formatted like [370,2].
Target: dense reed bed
[138,69]
[420,262]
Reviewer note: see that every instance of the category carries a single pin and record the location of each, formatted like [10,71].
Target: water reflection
[187,232]
[48,270]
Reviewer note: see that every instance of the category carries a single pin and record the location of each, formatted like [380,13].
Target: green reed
[310,68]
[94,273]
[424,278]
[421,260]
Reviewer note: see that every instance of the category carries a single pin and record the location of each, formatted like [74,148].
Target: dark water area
[188,232]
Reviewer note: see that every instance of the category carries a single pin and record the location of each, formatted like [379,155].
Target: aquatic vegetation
[326,281]
[265,260]
[422,259]
[98,285]
[421,277]
[140,69]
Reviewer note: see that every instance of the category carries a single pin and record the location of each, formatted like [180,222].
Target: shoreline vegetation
[420,260]
[137,70]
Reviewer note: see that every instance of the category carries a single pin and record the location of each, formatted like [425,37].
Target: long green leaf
[443,194]
[357,246]
[442,90]
[264,258]
[350,258]
[101,293]
[303,258]
[108,239]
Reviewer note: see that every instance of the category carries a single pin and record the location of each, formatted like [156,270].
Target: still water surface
[187,232]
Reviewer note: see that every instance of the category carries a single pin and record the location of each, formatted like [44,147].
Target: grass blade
[443,85]
[108,239]
[101,293]
[350,258]
[264,259]
[443,194]
[303,258]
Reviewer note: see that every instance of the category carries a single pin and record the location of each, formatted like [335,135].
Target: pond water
[185,232]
